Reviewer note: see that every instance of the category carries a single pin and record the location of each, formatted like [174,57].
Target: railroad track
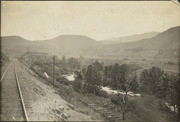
[12,102]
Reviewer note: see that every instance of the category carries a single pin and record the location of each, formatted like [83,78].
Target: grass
[68,94]
[140,109]
[146,108]
[73,98]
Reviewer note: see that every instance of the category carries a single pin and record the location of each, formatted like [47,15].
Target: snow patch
[170,107]
[110,91]
[46,74]
[70,77]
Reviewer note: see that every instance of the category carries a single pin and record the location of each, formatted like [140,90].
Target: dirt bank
[41,100]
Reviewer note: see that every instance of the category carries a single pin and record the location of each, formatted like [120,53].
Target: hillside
[164,45]
[65,44]
[129,38]
[14,45]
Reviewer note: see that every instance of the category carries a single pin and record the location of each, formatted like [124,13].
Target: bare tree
[126,82]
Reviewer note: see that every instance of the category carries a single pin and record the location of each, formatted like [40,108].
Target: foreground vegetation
[4,59]
[156,86]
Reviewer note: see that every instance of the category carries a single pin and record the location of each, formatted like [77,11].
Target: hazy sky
[96,19]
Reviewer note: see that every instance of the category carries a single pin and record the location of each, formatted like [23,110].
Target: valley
[70,77]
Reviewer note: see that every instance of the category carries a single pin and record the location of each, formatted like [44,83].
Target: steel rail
[20,94]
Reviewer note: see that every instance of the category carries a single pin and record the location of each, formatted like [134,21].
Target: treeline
[115,76]
[68,65]
[153,81]
[43,62]
[163,85]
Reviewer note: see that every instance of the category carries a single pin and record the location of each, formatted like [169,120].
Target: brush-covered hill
[67,44]
[64,44]
[164,45]
[14,45]
[129,38]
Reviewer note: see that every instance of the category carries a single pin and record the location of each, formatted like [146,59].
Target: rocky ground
[42,102]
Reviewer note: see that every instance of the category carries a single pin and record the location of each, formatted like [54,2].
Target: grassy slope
[148,108]
[140,109]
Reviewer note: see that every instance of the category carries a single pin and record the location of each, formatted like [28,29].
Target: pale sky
[99,20]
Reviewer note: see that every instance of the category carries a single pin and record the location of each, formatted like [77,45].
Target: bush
[102,93]
[88,88]
[131,106]
[170,63]
[63,80]
[143,59]
[162,106]
[78,86]
[116,99]
[152,80]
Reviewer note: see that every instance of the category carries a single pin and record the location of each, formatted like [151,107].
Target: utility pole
[53,67]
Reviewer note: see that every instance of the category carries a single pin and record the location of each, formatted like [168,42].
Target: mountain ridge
[164,44]
[130,38]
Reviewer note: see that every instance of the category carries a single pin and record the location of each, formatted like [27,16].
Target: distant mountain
[73,42]
[64,44]
[67,44]
[164,45]
[129,38]
[14,45]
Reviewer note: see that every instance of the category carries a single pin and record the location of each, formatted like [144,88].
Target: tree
[115,76]
[78,75]
[126,82]
[163,85]
[134,83]
[107,76]
[83,70]
[64,65]
[63,59]
[92,79]
[98,66]
[78,83]
[173,93]
[73,63]
[81,59]
[152,80]
[178,104]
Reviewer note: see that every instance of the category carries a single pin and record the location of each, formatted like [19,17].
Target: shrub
[116,99]
[102,93]
[88,88]
[162,106]
[78,86]
[143,59]
[170,63]
[131,106]
[63,80]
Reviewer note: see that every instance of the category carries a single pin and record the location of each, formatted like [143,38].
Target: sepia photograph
[114,61]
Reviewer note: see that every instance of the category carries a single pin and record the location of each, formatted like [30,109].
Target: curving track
[12,104]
